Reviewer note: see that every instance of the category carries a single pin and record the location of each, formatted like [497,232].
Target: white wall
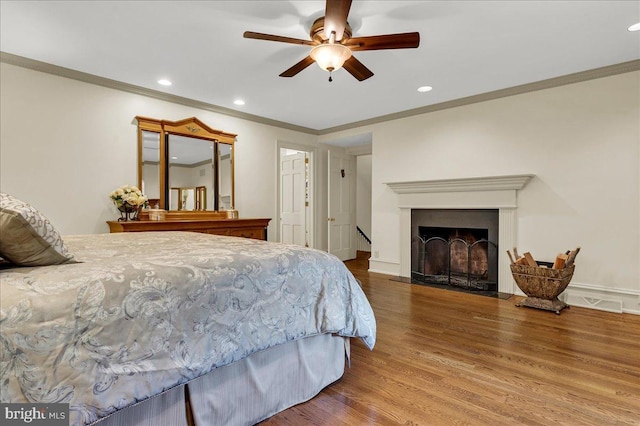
[582,143]
[363,193]
[65,145]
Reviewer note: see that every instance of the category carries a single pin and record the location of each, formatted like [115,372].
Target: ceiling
[467,48]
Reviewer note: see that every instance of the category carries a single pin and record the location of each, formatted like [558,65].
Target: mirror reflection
[151,167]
[225,200]
[188,198]
[191,166]
[201,198]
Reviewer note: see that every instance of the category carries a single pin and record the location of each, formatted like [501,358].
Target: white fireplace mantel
[487,183]
[489,192]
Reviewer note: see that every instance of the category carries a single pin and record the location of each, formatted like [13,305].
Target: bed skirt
[248,391]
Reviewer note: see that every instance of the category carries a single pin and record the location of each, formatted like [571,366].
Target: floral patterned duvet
[144,312]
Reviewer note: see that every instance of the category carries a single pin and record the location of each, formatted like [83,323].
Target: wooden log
[510,257]
[561,260]
[530,260]
[572,257]
[521,261]
[515,252]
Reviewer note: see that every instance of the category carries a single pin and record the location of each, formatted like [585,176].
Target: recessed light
[634,27]
[164,82]
[423,89]
[238,102]
[174,158]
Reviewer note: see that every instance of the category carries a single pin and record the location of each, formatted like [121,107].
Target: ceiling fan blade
[335,17]
[269,37]
[298,67]
[357,69]
[388,41]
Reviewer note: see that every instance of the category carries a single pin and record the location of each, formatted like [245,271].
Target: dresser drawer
[256,233]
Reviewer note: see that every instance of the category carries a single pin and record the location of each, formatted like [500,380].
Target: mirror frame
[189,127]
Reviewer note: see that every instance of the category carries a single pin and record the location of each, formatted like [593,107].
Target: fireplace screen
[460,257]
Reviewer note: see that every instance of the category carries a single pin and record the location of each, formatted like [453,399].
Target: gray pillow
[27,237]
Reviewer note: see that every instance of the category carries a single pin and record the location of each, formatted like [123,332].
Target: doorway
[349,190]
[295,195]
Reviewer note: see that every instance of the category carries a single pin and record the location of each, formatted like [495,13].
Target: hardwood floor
[449,358]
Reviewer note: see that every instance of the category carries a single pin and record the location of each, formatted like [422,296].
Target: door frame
[311,224]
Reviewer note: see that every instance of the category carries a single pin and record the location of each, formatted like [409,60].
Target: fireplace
[488,192]
[456,248]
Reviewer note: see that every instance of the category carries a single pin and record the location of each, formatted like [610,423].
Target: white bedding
[146,312]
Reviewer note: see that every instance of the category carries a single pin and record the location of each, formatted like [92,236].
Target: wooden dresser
[247,228]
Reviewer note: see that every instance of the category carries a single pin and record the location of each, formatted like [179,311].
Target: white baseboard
[577,294]
[602,298]
[382,266]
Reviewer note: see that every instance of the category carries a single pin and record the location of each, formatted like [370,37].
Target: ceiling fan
[332,44]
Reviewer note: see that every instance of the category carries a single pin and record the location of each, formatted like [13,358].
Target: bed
[172,328]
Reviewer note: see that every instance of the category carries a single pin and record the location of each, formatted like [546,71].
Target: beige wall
[582,143]
[65,145]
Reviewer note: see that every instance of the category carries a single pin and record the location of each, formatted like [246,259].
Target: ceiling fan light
[330,57]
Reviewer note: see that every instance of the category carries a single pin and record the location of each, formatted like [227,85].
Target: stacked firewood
[563,260]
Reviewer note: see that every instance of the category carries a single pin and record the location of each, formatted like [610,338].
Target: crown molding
[32,64]
[564,80]
[592,74]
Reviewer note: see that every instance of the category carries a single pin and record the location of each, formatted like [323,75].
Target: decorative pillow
[27,238]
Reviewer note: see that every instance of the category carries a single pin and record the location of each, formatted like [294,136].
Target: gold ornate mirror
[185,166]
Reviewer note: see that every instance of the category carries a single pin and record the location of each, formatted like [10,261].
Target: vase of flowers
[129,200]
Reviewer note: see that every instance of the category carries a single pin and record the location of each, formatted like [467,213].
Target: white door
[292,199]
[342,195]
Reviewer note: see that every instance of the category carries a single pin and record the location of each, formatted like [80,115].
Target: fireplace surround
[491,192]
[455,248]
